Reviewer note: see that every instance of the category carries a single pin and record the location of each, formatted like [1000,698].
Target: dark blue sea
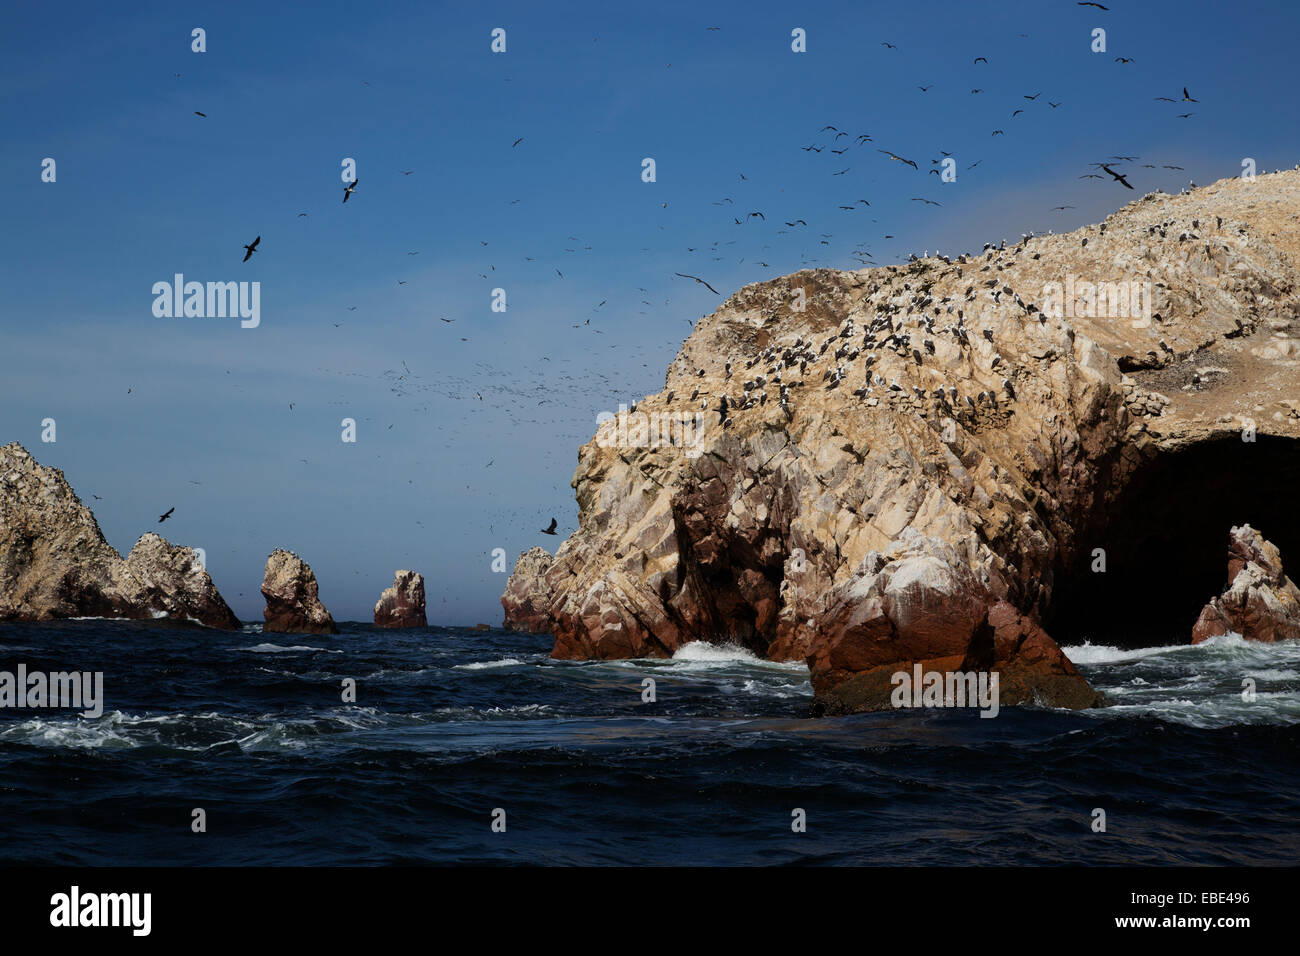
[451,724]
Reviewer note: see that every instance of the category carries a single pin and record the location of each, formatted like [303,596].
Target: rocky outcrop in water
[55,563]
[1261,603]
[527,597]
[864,470]
[293,598]
[178,583]
[402,605]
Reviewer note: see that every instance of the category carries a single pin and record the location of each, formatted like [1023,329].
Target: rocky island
[960,462]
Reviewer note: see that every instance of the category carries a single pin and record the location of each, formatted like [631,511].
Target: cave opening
[1165,539]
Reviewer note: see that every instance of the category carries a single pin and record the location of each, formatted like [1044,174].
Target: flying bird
[1089,3]
[551,529]
[1116,176]
[978,58]
[251,248]
[1187,98]
[516,142]
[166,516]
[700,281]
[899,159]
[197,113]
[348,191]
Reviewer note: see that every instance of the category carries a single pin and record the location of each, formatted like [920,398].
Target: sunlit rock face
[293,603]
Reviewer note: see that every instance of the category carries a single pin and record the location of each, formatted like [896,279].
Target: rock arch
[1165,535]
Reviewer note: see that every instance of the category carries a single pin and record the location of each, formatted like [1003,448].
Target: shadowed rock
[292,598]
[402,605]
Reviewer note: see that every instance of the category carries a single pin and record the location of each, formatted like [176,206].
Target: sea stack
[946,511]
[292,597]
[402,605]
[178,582]
[55,562]
[1260,603]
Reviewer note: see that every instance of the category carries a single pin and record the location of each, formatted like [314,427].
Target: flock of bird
[915,332]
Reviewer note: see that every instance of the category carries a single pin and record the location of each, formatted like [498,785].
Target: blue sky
[154,413]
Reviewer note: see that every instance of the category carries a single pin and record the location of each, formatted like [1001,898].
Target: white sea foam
[1198,685]
[1089,653]
[703,651]
[280,649]
[701,655]
[489,665]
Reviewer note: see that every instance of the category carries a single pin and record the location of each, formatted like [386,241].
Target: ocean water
[452,724]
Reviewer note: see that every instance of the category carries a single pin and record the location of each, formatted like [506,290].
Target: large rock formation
[1261,603]
[292,597]
[983,404]
[528,597]
[55,563]
[402,605]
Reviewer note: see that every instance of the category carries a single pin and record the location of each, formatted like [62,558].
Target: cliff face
[908,458]
[55,563]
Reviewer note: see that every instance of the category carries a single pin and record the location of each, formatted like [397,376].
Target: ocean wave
[281,649]
[711,655]
[1221,646]
[489,665]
